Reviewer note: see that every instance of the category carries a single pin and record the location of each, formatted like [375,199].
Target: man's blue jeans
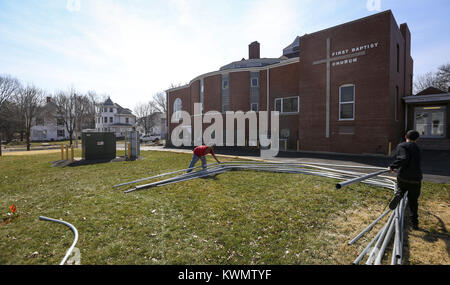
[194,160]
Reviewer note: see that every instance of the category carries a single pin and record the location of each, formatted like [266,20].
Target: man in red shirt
[199,153]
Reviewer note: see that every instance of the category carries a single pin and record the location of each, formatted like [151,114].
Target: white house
[111,117]
[48,126]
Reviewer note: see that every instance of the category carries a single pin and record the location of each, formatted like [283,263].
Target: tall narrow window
[202,92]
[398,58]
[224,84]
[347,102]
[254,82]
[177,106]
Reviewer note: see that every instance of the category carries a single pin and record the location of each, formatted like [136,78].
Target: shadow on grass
[429,236]
[64,163]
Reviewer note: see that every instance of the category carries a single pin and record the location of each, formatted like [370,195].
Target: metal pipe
[160,175]
[145,186]
[397,233]
[405,202]
[375,249]
[317,169]
[393,257]
[387,239]
[354,180]
[191,178]
[74,230]
[369,227]
[358,259]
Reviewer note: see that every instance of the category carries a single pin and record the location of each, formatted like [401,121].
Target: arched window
[177,106]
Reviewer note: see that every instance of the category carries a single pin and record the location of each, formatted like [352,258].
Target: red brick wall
[240,91]
[284,83]
[212,93]
[374,76]
[371,77]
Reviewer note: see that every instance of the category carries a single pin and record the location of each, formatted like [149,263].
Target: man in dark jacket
[409,175]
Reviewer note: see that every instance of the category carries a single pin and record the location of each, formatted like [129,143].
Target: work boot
[394,202]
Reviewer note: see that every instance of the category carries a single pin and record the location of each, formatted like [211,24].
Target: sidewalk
[435,164]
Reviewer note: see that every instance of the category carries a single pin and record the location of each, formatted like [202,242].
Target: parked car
[150,138]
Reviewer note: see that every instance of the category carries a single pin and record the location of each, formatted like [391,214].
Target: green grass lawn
[234,218]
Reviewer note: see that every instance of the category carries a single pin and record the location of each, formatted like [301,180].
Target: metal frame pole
[74,230]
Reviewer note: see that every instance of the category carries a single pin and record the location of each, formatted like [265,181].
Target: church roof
[293,49]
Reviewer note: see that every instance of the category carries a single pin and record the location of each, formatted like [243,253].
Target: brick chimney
[253,50]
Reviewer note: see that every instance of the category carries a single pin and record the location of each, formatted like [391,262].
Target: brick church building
[339,90]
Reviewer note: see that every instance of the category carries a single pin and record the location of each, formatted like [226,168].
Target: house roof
[429,98]
[108,102]
[430,90]
[120,110]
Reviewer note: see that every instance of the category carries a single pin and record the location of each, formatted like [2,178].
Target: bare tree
[439,79]
[143,112]
[71,108]
[8,86]
[28,101]
[443,76]
[159,102]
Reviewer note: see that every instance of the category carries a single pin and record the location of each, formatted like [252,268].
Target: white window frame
[228,83]
[177,115]
[349,102]
[257,107]
[251,82]
[283,98]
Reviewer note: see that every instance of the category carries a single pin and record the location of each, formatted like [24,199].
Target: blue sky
[131,49]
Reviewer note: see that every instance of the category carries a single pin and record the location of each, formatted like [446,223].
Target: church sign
[351,53]
[334,59]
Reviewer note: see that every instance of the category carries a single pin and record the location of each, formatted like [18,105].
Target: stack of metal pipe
[348,173]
